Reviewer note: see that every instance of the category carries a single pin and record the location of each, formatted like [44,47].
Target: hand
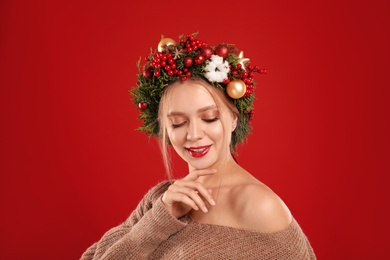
[186,194]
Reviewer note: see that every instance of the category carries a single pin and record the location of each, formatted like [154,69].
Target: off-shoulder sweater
[151,232]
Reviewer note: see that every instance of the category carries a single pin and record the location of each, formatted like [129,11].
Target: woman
[201,106]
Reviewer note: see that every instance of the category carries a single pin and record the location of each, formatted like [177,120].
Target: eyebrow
[201,110]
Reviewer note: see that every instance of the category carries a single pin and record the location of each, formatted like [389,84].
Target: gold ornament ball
[236,88]
[165,42]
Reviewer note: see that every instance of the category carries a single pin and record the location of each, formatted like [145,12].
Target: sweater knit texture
[151,232]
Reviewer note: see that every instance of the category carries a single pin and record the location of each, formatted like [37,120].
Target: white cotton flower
[216,69]
[216,59]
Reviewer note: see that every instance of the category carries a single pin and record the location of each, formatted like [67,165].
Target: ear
[234,122]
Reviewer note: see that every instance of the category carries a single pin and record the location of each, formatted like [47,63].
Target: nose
[194,132]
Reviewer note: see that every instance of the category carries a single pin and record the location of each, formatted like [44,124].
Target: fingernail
[205,209]
[212,202]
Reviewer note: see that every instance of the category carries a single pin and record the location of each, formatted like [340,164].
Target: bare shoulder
[259,208]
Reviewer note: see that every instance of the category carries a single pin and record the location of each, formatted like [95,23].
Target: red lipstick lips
[199,151]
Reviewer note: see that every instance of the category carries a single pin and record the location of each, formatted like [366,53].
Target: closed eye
[177,125]
[211,120]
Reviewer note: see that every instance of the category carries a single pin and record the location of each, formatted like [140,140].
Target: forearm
[138,241]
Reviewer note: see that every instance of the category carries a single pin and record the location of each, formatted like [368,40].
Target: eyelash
[211,120]
[206,120]
[177,125]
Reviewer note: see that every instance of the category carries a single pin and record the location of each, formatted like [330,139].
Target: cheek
[176,136]
[216,131]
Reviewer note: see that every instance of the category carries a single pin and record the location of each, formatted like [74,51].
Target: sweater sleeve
[148,225]
[290,243]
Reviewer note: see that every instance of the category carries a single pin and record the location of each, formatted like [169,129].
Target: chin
[200,165]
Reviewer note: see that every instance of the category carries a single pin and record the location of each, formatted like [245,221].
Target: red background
[72,165]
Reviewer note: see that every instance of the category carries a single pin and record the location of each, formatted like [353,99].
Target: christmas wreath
[223,66]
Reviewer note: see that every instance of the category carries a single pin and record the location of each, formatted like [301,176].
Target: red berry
[244,74]
[223,51]
[157,73]
[199,59]
[142,105]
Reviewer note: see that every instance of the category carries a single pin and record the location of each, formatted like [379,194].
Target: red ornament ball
[142,105]
[207,51]
[222,50]
[199,59]
[188,62]
[147,73]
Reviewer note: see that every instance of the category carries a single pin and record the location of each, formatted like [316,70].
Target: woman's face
[195,128]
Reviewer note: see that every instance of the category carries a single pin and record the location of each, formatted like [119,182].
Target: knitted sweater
[151,232]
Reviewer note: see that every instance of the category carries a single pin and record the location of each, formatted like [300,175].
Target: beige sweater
[152,233]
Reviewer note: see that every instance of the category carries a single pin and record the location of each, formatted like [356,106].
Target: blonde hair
[220,99]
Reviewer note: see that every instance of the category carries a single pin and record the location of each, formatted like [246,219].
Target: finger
[204,193]
[194,195]
[171,197]
[195,174]
[210,199]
